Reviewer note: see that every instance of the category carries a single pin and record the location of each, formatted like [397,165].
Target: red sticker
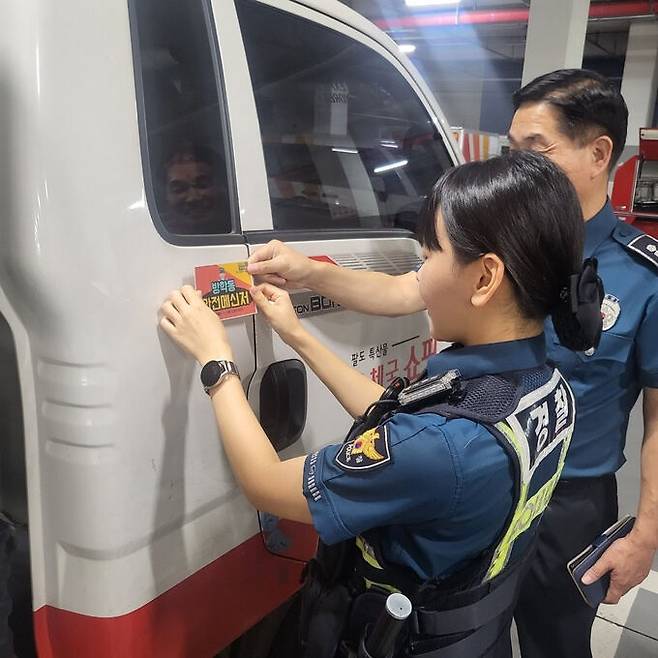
[225,289]
[324,259]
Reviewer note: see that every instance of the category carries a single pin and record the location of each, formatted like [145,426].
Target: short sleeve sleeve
[403,471]
[647,345]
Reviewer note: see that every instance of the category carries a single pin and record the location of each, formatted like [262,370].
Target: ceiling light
[392,165]
[431,3]
[336,149]
[407,48]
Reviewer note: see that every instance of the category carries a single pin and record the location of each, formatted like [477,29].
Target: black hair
[588,105]
[187,151]
[523,208]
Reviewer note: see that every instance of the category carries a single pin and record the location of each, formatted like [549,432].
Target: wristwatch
[215,371]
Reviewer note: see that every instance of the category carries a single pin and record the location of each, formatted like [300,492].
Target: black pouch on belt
[323,618]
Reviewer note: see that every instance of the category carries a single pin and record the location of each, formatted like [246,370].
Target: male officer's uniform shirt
[607,382]
[436,492]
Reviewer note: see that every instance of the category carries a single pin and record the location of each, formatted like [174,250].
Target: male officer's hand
[280,265]
[628,560]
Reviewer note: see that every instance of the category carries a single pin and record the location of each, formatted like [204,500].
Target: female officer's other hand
[278,264]
[275,305]
[194,327]
[353,390]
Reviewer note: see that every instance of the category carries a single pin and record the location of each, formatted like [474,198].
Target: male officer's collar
[599,228]
[490,359]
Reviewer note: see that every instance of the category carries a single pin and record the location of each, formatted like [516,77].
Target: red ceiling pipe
[457,17]
[621,9]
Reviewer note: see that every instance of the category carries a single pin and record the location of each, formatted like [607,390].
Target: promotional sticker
[225,289]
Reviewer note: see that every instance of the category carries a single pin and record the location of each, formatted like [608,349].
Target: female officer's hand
[279,264]
[193,326]
[275,305]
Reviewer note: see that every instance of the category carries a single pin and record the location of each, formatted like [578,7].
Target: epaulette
[637,241]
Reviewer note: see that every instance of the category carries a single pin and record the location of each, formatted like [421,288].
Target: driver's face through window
[192,195]
[195,201]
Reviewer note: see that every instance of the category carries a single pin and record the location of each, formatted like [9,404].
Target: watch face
[211,372]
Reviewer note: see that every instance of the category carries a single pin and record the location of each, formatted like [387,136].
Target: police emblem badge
[610,310]
[369,450]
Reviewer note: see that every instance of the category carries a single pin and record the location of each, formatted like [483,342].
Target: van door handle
[283,402]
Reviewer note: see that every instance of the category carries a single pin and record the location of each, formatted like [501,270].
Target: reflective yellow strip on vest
[367,553]
[388,588]
[526,510]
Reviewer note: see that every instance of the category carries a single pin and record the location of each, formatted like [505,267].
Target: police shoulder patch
[635,240]
[368,451]
[645,246]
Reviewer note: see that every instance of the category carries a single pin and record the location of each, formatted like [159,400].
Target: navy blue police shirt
[606,383]
[436,492]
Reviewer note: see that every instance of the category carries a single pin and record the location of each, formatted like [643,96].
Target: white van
[139,139]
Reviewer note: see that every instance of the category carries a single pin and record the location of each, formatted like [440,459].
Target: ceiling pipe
[608,10]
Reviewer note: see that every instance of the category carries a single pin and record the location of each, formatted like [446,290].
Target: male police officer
[579,120]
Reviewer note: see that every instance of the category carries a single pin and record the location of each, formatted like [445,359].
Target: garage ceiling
[605,38]
[474,68]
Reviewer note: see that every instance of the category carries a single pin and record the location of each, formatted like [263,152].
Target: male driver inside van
[195,202]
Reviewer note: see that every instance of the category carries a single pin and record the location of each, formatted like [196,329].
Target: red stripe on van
[194,619]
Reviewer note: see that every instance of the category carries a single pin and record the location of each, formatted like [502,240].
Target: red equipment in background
[635,188]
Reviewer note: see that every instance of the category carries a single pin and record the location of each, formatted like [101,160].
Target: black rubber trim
[259,237]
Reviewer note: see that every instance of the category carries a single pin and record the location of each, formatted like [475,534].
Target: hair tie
[582,297]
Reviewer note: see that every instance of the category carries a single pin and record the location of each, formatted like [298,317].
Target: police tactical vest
[464,614]
[536,435]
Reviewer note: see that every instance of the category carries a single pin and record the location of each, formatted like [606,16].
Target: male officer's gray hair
[587,104]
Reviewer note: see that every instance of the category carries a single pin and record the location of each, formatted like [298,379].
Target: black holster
[326,600]
[324,614]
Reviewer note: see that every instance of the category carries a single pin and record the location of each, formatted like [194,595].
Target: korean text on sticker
[225,289]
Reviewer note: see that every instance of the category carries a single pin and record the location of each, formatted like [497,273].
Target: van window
[347,142]
[182,117]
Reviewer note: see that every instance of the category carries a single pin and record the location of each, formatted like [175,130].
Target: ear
[601,155]
[489,277]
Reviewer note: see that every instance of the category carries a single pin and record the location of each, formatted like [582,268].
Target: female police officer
[438,489]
